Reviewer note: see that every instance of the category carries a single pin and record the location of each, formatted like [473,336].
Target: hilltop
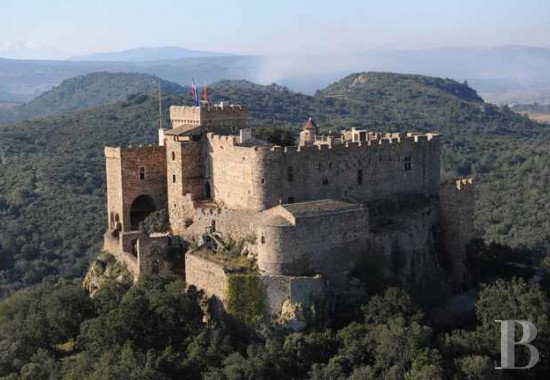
[87,91]
[52,169]
[386,101]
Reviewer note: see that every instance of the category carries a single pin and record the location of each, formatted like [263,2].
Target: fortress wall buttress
[457,207]
[133,172]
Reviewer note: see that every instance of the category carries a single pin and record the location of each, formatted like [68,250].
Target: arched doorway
[207,191]
[141,207]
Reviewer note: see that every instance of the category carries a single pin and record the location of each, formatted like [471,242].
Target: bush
[157,221]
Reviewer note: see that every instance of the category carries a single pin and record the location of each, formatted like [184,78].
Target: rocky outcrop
[105,269]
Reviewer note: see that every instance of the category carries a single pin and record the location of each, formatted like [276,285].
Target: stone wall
[205,275]
[234,173]
[361,171]
[185,116]
[298,290]
[327,244]
[407,242]
[185,179]
[132,172]
[259,178]
[457,207]
[237,224]
[151,255]
[217,118]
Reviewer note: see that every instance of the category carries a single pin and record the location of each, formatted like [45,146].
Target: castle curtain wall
[259,178]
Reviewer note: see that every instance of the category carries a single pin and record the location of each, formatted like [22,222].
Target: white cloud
[22,49]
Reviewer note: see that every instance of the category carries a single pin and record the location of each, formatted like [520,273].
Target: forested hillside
[87,91]
[52,169]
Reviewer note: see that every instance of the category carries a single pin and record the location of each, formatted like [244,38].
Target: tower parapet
[220,118]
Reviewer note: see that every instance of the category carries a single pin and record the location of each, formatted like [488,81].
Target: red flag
[193,89]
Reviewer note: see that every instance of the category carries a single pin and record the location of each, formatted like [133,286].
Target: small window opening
[325,181]
[173,178]
[290,174]
[290,199]
[142,174]
[359,177]
[173,156]
[133,244]
[407,164]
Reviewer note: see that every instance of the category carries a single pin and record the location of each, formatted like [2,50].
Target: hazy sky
[277,26]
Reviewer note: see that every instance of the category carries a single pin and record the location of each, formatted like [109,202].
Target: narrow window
[330,165]
[173,178]
[319,166]
[325,181]
[290,174]
[142,174]
[290,199]
[262,239]
[407,164]
[359,177]
[263,181]
[133,244]
[173,156]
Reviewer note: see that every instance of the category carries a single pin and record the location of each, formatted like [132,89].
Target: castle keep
[299,218]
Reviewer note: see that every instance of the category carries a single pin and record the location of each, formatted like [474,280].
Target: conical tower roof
[310,125]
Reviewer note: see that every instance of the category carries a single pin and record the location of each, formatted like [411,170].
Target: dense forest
[158,329]
[86,91]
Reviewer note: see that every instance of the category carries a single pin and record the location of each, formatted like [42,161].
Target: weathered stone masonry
[307,213]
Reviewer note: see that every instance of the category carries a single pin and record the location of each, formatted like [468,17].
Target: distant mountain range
[147,54]
[504,74]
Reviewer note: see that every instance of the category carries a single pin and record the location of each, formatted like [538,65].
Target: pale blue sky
[280,26]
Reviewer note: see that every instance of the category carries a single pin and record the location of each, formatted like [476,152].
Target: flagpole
[160,107]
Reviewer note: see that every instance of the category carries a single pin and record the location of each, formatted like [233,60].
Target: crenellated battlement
[206,113]
[222,110]
[117,152]
[230,141]
[465,184]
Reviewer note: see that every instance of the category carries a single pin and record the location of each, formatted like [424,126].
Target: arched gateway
[141,207]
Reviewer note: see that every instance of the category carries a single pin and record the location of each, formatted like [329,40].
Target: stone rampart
[205,275]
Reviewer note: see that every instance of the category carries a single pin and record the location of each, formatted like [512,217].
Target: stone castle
[300,218]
